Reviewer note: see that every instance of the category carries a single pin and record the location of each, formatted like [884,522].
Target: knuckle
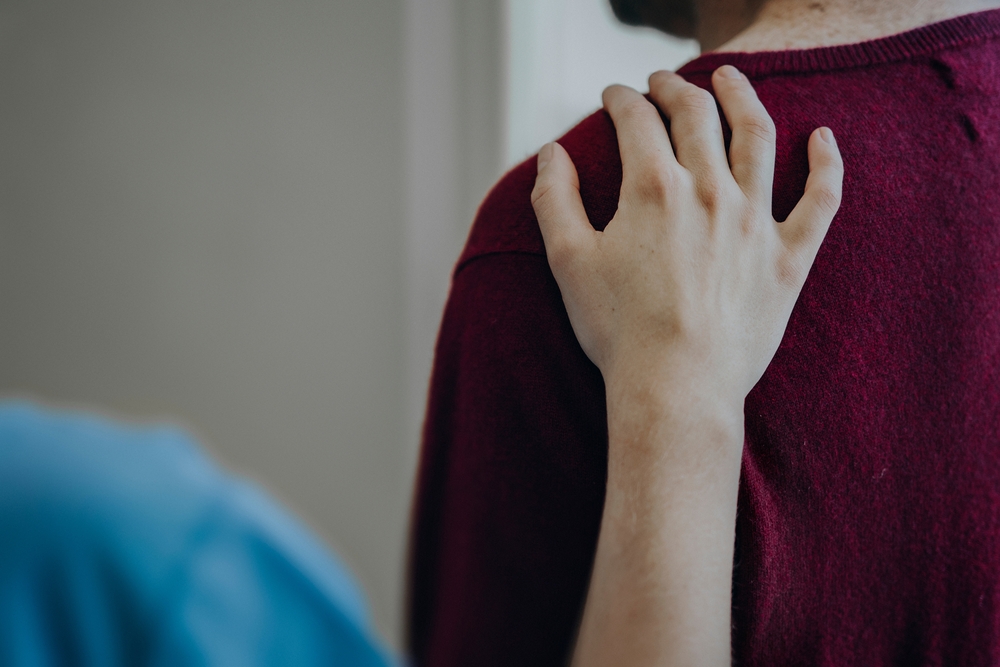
[560,252]
[710,192]
[694,99]
[759,126]
[828,198]
[546,202]
[540,193]
[653,186]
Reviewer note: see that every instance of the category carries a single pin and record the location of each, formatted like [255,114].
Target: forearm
[661,586]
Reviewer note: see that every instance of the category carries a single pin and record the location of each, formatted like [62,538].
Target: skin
[682,307]
[797,24]
[772,25]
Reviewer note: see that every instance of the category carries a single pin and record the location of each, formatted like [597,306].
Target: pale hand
[681,302]
[693,276]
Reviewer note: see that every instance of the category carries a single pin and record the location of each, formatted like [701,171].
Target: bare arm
[681,302]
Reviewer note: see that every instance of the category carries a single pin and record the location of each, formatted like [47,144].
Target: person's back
[869,515]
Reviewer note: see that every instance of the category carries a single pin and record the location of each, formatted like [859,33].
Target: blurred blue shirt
[123,545]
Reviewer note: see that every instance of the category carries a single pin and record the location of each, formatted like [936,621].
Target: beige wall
[201,217]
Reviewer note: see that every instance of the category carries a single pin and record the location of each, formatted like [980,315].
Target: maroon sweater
[868,527]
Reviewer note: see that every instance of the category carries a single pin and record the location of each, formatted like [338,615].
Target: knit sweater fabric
[868,524]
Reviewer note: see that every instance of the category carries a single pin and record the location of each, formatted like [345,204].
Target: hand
[681,302]
[692,274]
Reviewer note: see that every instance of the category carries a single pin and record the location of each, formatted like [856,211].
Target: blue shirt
[122,545]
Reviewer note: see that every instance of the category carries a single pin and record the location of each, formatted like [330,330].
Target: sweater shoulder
[506,220]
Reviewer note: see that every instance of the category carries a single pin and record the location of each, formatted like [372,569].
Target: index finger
[642,138]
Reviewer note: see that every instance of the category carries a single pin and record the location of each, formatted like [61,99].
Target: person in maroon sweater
[868,520]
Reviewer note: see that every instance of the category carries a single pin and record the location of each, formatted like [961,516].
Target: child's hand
[692,279]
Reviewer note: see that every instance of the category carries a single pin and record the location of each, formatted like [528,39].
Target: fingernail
[729,72]
[827,135]
[544,156]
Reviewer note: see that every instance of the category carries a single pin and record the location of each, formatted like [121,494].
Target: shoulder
[506,221]
[146,535]
[258,587]
[81,460]
[95,517]
[84,493]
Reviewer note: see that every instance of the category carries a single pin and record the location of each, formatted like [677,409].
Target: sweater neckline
[921,41]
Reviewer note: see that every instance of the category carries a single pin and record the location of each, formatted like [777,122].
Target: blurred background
[242,217]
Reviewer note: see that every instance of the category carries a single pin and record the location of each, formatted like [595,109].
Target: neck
[777,25]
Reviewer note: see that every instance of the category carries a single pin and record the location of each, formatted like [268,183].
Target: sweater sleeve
[511,481]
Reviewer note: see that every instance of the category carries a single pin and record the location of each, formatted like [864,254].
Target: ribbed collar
[921,41]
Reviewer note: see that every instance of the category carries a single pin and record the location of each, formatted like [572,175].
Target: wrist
[663,386]
[665,421]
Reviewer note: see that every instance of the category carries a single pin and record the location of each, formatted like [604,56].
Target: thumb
[565,227]
[807,224]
